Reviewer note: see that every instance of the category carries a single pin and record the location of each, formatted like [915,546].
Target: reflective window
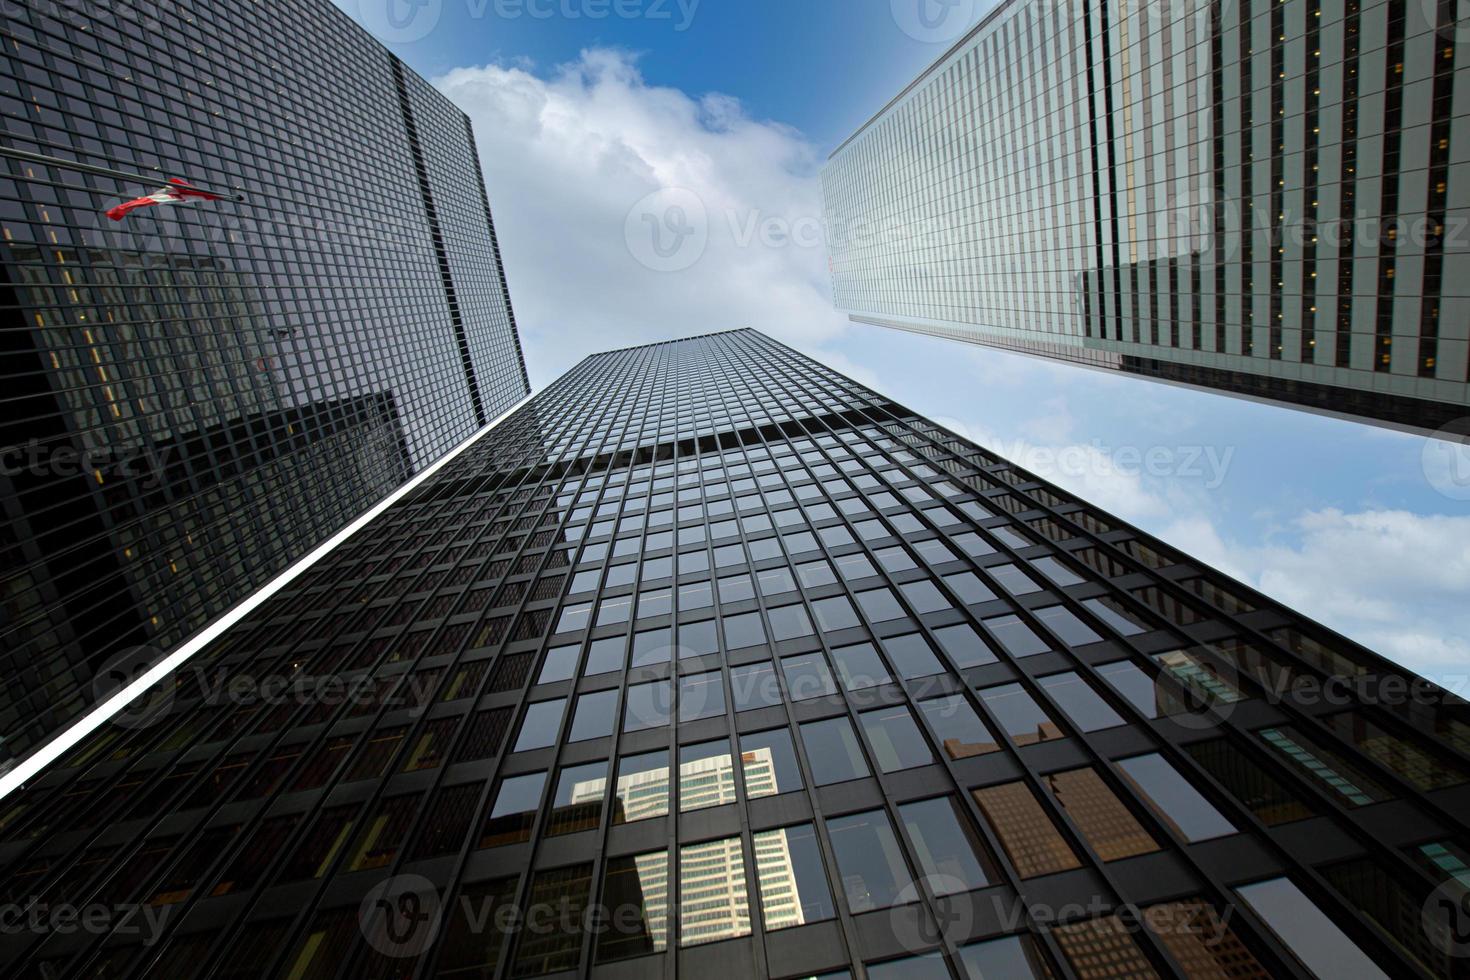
[1083,706]
[834,614]
[649,706]
[964,646]
[807,676]
[635,891]
[832,751]
[791,878]
[643,787]
[698,639]
[514,812]
[701,696]
[789,622]
[1018,714]
[1003,959]
[1248,781]
[564,891]
[1345,779]
[560,665]
[924,597]
[869,861]
[1107,824]
[604,656]
[713,902]
[1305,929]
[754,686]
[880,605]
[896,740]
[1176,801]
[969,588]
[706,775]
[860,667]
[769,763]
[1025,830]
[1104,948]
[744,631]
[1016,637]
[947,847]
[653,647]
[912,656]
[596,715]
[540,726]
[960,731]
[1203,940]
[1071,630]
[577,805]
[929,966]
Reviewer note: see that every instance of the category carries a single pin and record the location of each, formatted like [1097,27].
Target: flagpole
[123,175]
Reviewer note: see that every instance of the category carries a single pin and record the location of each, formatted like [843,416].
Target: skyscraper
[927,712]
[1258,198]
[194,397]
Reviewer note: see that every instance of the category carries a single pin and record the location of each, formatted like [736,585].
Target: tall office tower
[1264,198]
[709,660]
[194,397]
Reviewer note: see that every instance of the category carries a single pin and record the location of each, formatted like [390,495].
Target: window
[929,966]
[1082,705]
[554,893]
[869,861]
[1252,786]
[832,751]
[769,763]
[912,656]
[791,878]
[789,622]
[969,588]
[897,742]
[648,706]
[860,667]
[605,656]
[698,639]
[807,676]
[1018,714]
[1104,948]
[1107,824]
[577,805]
[754,686]
[701,696]
[924,597]
[1116,616]
[540,726]
[643,787]
[964,646]
[1320,764]
[744,631]
[1025,830]
[635,892]
[1011,958]
[1175,800]
[835,614]
[514,812]
[879,605]
[948,849]
[1129,680]
[653,647]
[1307,931]
[959,729]
[596,715]
[1018,639]
[1416,765]
[713,903]
[706,775]
[1071,630]
[560,665]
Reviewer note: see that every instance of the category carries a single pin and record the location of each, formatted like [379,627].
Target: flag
[176,193]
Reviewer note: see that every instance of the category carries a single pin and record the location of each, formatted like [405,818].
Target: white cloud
[569,155]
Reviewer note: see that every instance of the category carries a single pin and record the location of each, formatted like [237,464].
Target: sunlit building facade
[1265,198]
[196,396]
[709,661]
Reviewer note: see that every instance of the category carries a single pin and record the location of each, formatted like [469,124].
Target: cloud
[568,157]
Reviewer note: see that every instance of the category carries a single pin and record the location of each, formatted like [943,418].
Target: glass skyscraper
[708,661]
[196,396]
[1265,198]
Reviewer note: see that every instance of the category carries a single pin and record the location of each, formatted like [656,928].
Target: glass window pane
[860,667]
[1129,680]
[912,656]
[1104,948]
[1072,631]
[869,861]
[560,665]
[924,597]
[701,696]
[1018,714]
[880,605]
[698,639]
[604,656]
[564,891]
[595,716]
[807,676]
[791,878]
[706,775]
[832,751]
[1018,639]
[635,890]
[1025,830]
[713,903]
[1003,959]
[946,845]
[835,614]
[1307,931]
[1203,941]
[578,802]
[649,706]
[969,588]
[1177,802]
[541,724]
[754,686]
[744,631]
[960,731]
[643,787]
[1248,781]
[896,740]
[1099,815]
[653,647]
[964,646]
[1084,707]
[790,622]
[930,966]
[769,763]
[514,812]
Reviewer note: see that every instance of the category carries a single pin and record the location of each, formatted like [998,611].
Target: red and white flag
[177,192]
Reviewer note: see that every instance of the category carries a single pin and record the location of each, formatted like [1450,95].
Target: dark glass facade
[708,661]
[195,397]
[1262,198]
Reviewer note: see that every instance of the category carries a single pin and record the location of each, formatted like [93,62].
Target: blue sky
[728,109]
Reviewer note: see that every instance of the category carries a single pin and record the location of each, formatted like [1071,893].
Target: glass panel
[648,706]
[930,966]
[706,775]
[578,802]
[754,686]
[964,646]
[1252,786]
[835,613]
[1072,631]
[807,676]
[791,878]
[514,812]
[643,787]
[1083,706]
[1018,714]
[1099,815]
[701,696]
[832,751]
[744,631]
[1103,949]
[564,891]
[1018,639]
[560,665]
[897,742]
[869,861]
[604,656]
[713,903]
[1323,765]
[1175,800]
[596,715]
[653,647]
[541,724]
[1205,944]
[860,667]
[912,656]
[1412,763]
[635,891]
[769,763]
[1307,931]
[789,622]
[947,847]
[1025,830]
[1011,958]
[960,731]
